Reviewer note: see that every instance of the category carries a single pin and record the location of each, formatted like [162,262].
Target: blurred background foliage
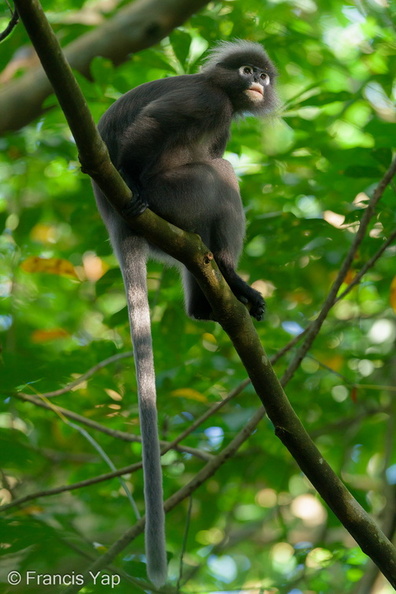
[305,175]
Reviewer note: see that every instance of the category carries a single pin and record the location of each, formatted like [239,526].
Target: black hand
[137,204]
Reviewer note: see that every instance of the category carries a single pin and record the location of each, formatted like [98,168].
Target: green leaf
[102,70]
[383,156]
[181,42]
[361,171]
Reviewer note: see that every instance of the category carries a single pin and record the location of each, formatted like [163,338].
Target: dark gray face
[257,80]
[253,74]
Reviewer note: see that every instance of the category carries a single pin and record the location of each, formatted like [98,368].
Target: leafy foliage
[306,176]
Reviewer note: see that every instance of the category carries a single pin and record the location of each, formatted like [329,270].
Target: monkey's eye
[265,79]
[246,70]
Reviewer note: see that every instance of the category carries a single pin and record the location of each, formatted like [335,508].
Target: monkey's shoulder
[182,83]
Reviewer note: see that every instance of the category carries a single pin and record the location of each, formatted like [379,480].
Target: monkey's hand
[135,208]
[138,204]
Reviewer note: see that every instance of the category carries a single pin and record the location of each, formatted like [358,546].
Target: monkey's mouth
[255,93]
[256,88]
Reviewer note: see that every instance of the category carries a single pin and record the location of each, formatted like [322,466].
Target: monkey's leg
[226,237]
[241,290]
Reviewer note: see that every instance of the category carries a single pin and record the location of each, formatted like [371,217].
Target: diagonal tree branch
[231,314]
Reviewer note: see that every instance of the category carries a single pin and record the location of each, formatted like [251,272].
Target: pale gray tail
[133,264]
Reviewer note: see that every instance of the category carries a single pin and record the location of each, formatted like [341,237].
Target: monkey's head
[245,72]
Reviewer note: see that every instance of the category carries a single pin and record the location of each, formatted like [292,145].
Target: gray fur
[244,50]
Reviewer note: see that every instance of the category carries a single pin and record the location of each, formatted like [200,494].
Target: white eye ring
[246,70]
[265,79]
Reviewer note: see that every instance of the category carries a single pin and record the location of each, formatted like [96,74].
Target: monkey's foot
[257,309]
[254,302]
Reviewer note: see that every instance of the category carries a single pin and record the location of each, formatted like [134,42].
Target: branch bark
[231,314]
[133,29]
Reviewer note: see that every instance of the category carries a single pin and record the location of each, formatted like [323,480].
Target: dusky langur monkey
[167,139]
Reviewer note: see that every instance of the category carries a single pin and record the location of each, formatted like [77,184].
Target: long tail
[134,272]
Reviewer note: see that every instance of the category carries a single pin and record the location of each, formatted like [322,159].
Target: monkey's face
[245,72]
[251,87]
[257,80]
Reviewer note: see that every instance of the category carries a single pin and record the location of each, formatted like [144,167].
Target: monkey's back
[182,104]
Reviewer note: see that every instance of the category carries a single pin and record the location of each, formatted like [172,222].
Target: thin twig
[72,487]
[211,411]
[11,25]
[184,543]
[369,264]
[82,378]
[315,327]
[122,435]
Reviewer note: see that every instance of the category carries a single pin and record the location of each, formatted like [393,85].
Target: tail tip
[157,575]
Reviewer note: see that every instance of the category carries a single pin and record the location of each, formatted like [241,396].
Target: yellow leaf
[49,266]
[33,509]
[350,275]
[113,394]
[392,297]
[48,335]
[335,362]
[101,548]
[190,394]
[209,342]
[209,338]
[43,233]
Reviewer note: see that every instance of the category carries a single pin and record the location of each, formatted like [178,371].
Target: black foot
[250,297]
[257,308]
[254,299]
